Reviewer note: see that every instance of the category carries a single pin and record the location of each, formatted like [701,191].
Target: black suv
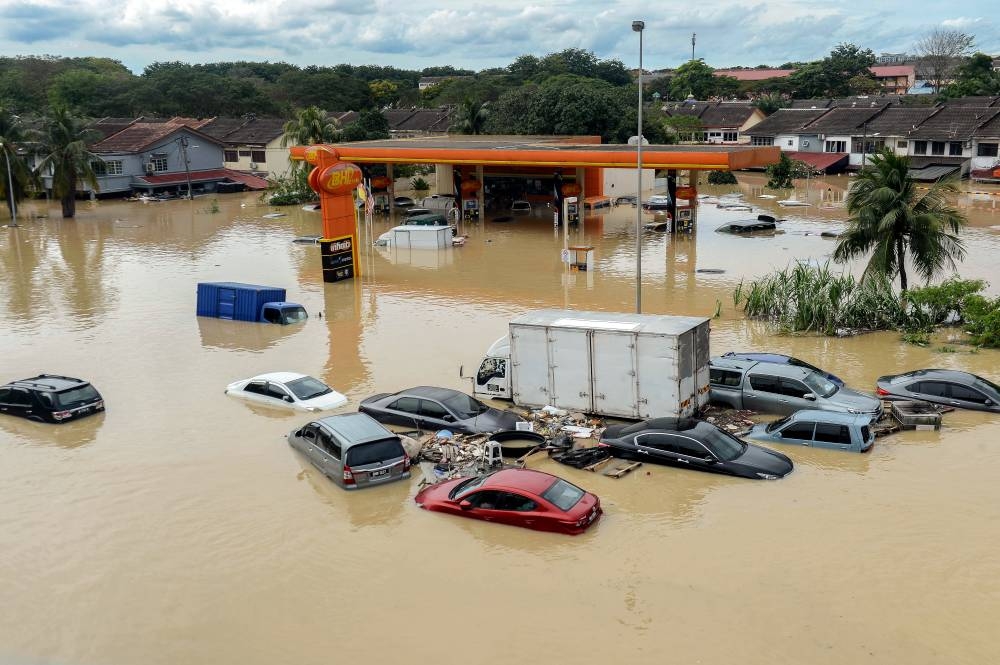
[50,398]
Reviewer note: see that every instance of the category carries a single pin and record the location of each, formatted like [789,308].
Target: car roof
[833,417]
[528,480]
[666,423]
[782,369]
[49,382]
[356,428]
[943,374]
[278,377]
[431,392]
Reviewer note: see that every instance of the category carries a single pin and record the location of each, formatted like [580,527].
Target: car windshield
[308,387]
[725,446]
[375,451]
[819,385]
[294,315]
[464,406]
[79,395]
[562,494]
[468,485]
[777,423]
[982,384]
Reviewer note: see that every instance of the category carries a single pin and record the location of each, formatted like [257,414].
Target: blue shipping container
[233,300]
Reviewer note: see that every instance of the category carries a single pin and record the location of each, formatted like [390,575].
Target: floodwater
[180,527]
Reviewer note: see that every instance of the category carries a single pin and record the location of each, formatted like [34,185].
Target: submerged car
[287,389]
[942,386]
[781,388]
[520,206]
[748,226]
[517,497]
[352,450]
[694,444]
[657,202]
[781,359]
[50,398]
[427,407]
[820,429]
[403,202]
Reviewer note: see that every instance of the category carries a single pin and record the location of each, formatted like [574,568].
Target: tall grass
[807,298]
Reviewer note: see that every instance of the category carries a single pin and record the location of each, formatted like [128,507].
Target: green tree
[471,117]
[889,217]
[698,79]
[836,75]
[371,125]
[525,68]
[13,135]
[384,92]
[65,138]
[770,103]
[683,127]
[310,125]
[974,78]
[780,175]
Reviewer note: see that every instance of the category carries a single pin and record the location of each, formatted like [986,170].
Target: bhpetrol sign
[341,178]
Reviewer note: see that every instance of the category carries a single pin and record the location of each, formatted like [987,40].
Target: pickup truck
[781,388]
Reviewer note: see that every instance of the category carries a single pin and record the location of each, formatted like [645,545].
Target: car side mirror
[465,504]
[809,396]
[448,418]
[988,402]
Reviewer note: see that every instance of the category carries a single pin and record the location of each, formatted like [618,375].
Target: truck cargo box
[236,301]
[624,365]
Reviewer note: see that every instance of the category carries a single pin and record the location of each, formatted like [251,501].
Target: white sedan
[290,389]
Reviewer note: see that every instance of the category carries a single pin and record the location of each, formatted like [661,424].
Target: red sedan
[519,497]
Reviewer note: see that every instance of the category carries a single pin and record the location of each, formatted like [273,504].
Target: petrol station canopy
[549,151]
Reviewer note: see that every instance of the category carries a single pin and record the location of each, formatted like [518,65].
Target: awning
[933,172]
[199,177]
[827,162]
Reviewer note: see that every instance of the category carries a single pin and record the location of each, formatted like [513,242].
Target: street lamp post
[10,188]
[637,26]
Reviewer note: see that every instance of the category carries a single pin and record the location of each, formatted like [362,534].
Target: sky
[415,34]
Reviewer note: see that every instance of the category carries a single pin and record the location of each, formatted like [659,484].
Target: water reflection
[383,505]
[73,434]
[243,335]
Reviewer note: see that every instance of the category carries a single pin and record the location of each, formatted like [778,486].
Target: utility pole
[10,186]
[693,34]
[187,165]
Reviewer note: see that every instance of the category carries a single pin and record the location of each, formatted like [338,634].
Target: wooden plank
[622,469]
[596,466]
[523,459]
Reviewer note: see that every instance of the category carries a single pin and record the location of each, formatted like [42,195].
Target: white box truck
[623,365]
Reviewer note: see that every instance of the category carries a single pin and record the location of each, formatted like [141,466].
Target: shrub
[721,178]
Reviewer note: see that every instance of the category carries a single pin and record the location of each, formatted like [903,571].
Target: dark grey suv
[50,398]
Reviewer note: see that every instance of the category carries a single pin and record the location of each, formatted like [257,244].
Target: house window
[789,141]
[159,163]
[987,150]
[244,153]
[230,156]
[730,137]
[762,140]
[99,168]
[865,146]
[937,147]
[258,156]
[955,149]
[835,146]
[920,147]
[901,145]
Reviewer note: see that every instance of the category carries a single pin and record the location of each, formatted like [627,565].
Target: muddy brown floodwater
[180,527]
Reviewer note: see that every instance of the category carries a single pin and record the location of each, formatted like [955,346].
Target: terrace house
[722,122]
[842,132]
[943,143]
[252,145]
[985,154]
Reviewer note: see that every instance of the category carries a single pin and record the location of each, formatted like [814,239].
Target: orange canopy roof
[549,152]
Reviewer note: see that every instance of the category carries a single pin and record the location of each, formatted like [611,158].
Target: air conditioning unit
[805,144]
[253,166]
[150,167]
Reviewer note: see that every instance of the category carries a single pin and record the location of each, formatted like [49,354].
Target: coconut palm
[12,136]
[64,142]
[310,125]
[890,217]
[471,116]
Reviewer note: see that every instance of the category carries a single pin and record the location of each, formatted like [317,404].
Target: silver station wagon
[820,429]
[352,450]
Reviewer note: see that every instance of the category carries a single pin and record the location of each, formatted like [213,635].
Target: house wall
[275,163]
[984,162]
[787,142]
[622,182]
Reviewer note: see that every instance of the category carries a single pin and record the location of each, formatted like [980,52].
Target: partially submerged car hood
[762,460]
[855,401]
[493,420]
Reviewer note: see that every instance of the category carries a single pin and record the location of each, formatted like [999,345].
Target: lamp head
[637,26]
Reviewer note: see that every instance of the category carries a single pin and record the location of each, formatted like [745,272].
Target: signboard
[338,258]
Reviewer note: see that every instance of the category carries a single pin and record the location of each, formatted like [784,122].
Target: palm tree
[310,125]
[889,217]
[12,136]
[64,145]
[471,117]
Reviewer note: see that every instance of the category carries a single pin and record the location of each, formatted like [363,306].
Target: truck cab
[283,313]
[492,379]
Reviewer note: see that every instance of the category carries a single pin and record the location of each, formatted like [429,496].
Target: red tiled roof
[211,175]
[754,74]
[819,160]
[892,70]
